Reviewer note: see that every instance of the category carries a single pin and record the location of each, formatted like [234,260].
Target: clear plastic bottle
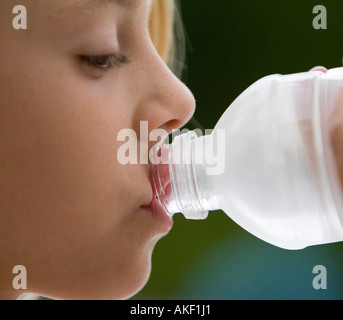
[280,181]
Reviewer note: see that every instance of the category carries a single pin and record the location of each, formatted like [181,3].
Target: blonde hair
[167,34]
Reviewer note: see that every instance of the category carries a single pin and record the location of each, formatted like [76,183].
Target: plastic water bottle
[279,181]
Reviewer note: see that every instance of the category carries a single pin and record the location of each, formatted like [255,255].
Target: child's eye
[105,62]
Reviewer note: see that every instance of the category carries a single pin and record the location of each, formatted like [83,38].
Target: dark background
[231,44]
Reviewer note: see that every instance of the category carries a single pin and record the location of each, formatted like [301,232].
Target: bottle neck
[179,179]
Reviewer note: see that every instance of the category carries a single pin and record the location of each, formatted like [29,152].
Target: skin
[70,213]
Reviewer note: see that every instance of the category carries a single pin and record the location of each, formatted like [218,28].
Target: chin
[108,269]
[101,287]
[116,280]
[132,275]
[129,284]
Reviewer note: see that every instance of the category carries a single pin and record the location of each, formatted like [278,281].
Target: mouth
[159,214]
[154,206]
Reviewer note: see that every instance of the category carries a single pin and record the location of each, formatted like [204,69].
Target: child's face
[70,213]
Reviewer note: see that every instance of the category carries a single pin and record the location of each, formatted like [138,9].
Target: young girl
[81,223]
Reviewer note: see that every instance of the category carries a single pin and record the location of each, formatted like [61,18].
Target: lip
[159,172]
[161,215]
[154,207]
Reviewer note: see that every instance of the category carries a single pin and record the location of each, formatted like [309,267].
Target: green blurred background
[231,44]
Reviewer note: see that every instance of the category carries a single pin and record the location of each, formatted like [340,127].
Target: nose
[167,103]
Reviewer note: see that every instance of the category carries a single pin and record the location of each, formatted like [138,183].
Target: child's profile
[79,221]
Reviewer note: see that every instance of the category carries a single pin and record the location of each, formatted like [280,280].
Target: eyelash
[105,62]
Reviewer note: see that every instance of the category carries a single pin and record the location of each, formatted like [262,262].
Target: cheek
[60,155]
